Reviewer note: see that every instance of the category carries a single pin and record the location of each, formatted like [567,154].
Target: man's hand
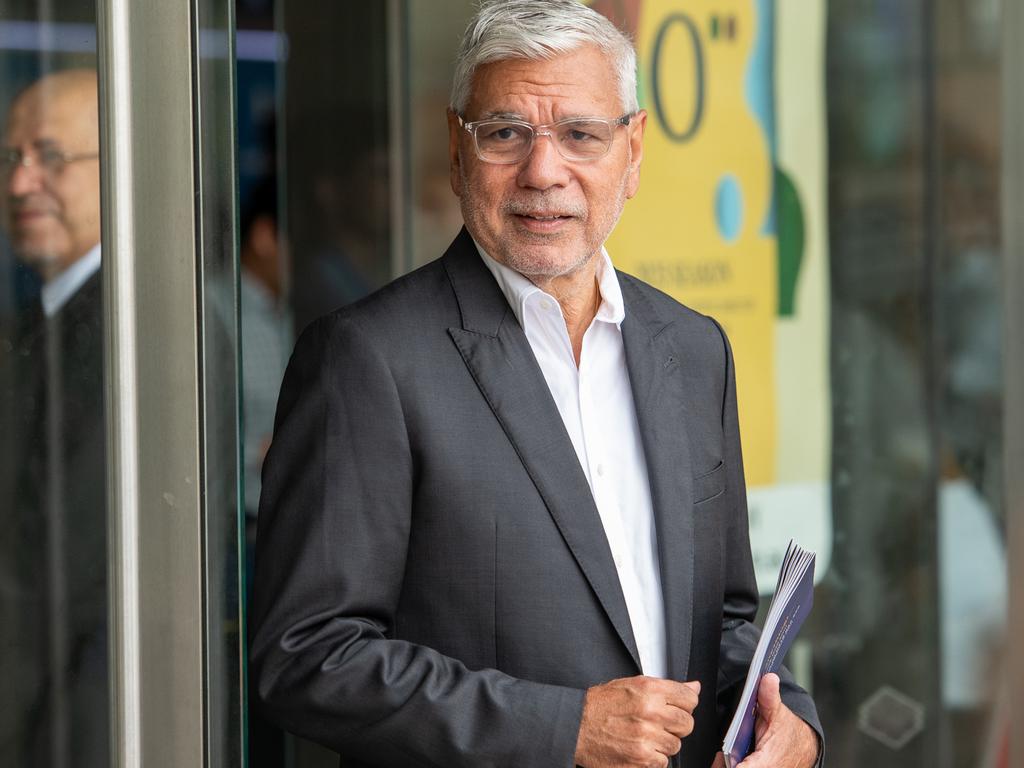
[636,722]
[781,739]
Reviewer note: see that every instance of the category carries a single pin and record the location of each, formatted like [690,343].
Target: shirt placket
[600,471]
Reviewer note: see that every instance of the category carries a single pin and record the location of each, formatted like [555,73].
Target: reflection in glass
[216,172]
[336,160]
[53,596]
[916,599]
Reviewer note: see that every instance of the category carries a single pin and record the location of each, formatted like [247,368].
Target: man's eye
[579,135]
[502,133]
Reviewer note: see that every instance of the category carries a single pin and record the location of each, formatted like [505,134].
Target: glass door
[54,640]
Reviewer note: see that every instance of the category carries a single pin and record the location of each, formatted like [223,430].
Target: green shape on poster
[791,236]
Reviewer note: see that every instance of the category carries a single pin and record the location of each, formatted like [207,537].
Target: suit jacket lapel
[498,355]
[654,375]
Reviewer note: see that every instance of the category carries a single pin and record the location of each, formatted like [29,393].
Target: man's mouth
[543,222]
[26,211]
[29,219]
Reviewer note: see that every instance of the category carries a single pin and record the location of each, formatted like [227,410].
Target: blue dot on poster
[729,207]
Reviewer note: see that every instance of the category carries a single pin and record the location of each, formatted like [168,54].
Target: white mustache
[543,207]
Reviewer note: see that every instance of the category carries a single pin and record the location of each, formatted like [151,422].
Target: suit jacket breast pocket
[709,485]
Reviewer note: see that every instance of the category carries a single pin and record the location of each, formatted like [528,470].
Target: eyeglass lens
[50,159]
[507,142]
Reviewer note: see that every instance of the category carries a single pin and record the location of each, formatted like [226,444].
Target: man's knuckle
[648,707]
[637,753]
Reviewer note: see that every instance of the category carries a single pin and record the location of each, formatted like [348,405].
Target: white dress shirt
[596,405]
[55,293]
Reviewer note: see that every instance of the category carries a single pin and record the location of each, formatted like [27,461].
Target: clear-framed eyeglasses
[50,159]
[580,139]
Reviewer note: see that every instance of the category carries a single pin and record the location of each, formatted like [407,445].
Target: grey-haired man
[503,519]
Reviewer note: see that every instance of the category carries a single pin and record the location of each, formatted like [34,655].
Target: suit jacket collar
[482,305]
[498,355]
[56,293]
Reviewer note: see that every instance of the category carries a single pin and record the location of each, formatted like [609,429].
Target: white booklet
[794,594]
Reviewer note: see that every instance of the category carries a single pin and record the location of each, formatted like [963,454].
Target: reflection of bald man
[53,710]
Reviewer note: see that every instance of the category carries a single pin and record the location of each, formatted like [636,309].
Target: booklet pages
[794,593]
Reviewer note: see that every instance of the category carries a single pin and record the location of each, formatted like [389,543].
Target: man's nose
[544,167]
[24,178]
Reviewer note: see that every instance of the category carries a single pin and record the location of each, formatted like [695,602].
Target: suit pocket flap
[710,484]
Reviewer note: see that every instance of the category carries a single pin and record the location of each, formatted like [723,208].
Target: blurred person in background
[352,256]
[266,341]
[53,596]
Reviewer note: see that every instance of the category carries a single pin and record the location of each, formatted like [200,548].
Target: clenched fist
[636,722]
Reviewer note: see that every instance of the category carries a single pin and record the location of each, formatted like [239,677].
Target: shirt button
[549,305]
[600,470]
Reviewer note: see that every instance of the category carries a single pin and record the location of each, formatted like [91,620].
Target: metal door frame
[154,245]
[1013,348]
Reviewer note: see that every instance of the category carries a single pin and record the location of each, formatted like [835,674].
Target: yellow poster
[731,220]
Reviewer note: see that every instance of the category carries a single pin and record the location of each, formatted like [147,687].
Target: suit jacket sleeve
[739,634]
[334,523]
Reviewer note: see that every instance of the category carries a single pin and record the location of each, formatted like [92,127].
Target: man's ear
[454,160]
[635,129]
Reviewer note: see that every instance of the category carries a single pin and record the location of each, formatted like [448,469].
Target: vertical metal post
[1013,334]
[153,365]
[113,31]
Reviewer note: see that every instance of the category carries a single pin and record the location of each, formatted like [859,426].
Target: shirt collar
[518,289]
[55,293]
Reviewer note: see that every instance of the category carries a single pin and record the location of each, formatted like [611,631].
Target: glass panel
[315,201]
[434,34]
[54,700]
[264,276]
[215,133]
[920,559]
[336,155]
[1007,742]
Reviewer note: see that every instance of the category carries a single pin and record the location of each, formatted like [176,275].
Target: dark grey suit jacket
[47,488]
[433,582]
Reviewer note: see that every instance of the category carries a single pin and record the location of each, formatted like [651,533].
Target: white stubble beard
[529,265]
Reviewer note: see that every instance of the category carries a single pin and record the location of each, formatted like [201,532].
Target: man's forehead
[51,116]
[575,81]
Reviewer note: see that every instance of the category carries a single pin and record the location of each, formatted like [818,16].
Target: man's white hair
[539,29]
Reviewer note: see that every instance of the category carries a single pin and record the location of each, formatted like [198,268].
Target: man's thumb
[768,697]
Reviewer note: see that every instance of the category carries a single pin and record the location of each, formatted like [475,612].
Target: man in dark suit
[503,518]
[53,598]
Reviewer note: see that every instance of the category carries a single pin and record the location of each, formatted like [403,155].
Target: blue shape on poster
[760,89]
[729,207]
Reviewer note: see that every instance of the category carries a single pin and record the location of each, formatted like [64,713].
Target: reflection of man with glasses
[503,518]
[54,705]
[51,171]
